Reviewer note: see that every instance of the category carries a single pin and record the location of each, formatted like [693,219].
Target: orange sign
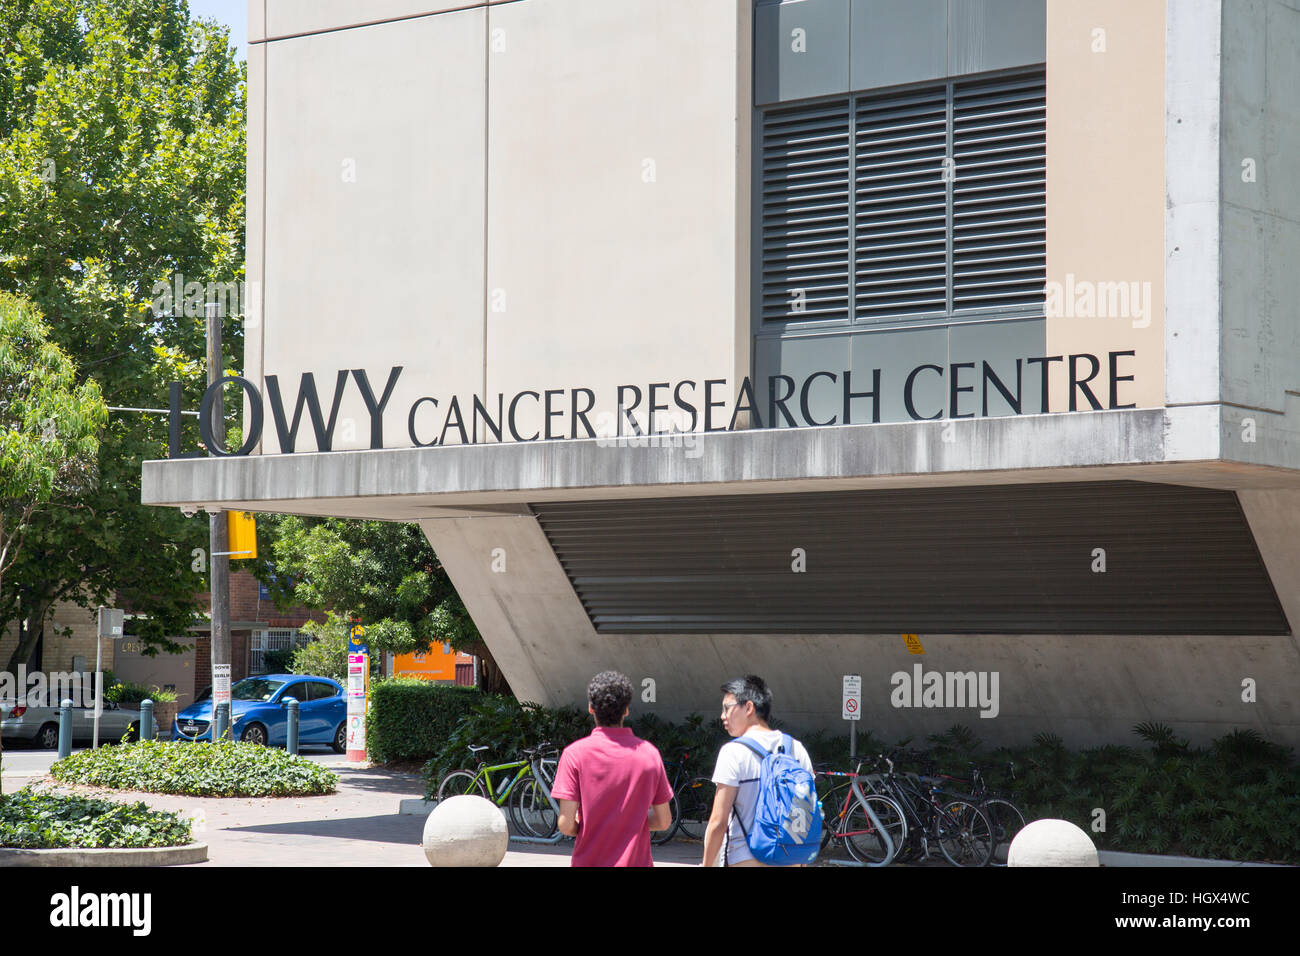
[438,664]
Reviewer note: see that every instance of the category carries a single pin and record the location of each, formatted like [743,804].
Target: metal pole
[218,535]
[99,675]
[853,740]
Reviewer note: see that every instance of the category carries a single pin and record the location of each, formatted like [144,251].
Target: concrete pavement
[358,825]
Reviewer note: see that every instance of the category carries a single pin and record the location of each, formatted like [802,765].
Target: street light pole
[218,536]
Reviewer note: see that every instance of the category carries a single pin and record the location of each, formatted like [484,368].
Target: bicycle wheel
[461,782]
[874,842]
[695,801]
[532,811]
[1007,821]
[964,834]
[660,837]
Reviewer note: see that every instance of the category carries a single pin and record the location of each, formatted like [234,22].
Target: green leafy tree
[121,179]
[49,424]
[383,571]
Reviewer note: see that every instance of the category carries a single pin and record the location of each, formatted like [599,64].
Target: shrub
[130,694]
[506,727]
[279,661]
[225,769]
[321,657]
[411,719]
[36,820]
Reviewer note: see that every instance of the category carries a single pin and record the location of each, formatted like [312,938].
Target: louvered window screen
[949,203]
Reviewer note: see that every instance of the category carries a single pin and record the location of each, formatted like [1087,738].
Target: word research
[923,688]
[75,909]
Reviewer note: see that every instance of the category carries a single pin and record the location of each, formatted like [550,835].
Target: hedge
[411,719]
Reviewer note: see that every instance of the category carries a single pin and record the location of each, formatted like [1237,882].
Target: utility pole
[218,548]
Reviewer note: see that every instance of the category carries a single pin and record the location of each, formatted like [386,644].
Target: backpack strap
[761,754]
[753,745]
[787,745]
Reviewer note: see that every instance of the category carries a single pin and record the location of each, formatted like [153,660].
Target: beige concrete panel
[1106,191]
[612,198]
[255,213]
[744,341]
[293,17]
[374,240]
[257,20]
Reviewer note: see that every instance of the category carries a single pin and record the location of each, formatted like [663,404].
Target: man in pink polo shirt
[611,785]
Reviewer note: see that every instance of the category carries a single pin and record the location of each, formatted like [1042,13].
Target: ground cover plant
[40,820]
[226,769]
[1236,799]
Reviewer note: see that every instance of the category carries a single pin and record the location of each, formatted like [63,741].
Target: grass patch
[35,820]
[226,769]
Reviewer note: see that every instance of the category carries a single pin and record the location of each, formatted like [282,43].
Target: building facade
[950,343]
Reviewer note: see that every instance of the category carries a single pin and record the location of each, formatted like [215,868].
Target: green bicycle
[526,792]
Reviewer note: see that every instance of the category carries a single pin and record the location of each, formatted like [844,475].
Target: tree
[49,424]
[121,181]
[383,571]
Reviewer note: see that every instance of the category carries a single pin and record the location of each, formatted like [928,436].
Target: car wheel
[341,738]
[47,738]
[133,733]
[254,734]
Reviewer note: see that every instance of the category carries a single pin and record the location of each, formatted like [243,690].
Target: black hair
[609,694]
[751,688]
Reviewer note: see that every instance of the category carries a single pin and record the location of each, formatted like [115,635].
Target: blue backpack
[788,819]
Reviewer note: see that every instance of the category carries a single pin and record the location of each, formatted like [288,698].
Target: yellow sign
[357,633]
[913,643]
[242,528]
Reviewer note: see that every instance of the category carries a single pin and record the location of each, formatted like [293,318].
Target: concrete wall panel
[612,207]
[801,50]
[896,43]
[1261,205]
[375,192]
[1106,188]
[988,35]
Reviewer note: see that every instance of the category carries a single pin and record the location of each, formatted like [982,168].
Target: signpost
[358,679]
[220,695]
[851,709]
[108,624]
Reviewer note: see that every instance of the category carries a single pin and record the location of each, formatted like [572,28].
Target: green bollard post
[146,720]
[65,728]
[291,745]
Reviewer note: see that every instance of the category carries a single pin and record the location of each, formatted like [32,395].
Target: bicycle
[872,826]
[691,804]
[1004,816]
[961,830]
[528,791]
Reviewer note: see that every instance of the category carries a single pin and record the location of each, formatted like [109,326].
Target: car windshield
[255,688]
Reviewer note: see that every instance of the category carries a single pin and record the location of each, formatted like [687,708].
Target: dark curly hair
[609,694]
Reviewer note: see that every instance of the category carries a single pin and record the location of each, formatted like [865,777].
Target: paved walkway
[357,825]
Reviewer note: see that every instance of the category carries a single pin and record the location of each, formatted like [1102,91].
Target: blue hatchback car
[259,712]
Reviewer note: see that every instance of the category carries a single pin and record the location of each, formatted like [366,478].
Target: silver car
[39,726]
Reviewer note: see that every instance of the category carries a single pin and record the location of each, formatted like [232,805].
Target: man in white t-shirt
[746,709]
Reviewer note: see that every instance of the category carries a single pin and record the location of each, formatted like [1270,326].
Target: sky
[232,13]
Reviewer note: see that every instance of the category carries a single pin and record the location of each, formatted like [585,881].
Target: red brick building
[256,626]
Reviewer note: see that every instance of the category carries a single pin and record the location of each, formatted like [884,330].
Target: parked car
[259,711]
[39,726]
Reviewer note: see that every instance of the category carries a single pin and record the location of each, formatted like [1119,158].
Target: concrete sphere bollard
[1052,843]
[465,831]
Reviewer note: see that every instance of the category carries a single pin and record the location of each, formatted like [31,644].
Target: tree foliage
[121,174]
[385,572]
